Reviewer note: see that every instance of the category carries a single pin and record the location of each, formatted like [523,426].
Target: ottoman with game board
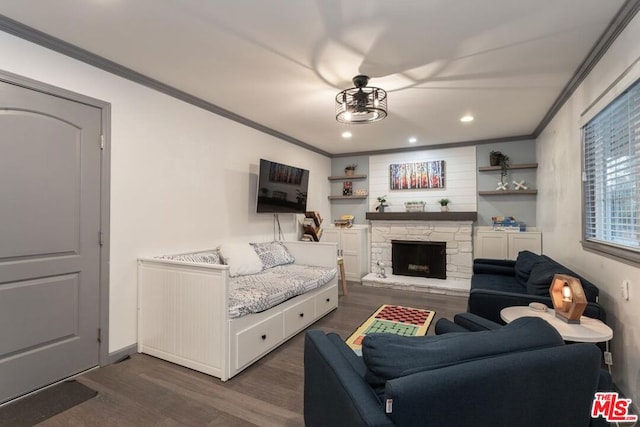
[392,319]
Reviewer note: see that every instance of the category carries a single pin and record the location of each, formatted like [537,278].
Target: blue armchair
[497,284]
[521,374]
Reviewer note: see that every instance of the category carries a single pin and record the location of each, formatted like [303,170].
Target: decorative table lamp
[568,298]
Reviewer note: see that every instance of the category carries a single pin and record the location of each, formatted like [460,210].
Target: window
[611,147]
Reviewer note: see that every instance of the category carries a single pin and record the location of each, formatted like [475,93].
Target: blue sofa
[497,284]
[521,374]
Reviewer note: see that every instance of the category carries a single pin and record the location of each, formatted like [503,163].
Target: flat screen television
[282,188]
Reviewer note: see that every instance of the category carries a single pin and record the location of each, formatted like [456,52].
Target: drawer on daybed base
[257,340]
[326,300]
[298,316]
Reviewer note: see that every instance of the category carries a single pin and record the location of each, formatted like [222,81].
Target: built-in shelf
[519,166]
[506,192]
[422,216]
[346,197]
[346,177]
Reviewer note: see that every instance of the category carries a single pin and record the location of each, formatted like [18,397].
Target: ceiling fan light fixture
[361,103]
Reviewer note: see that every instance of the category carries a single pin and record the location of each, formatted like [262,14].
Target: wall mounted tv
[282,188]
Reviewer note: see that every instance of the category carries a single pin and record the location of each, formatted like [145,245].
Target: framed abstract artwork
[415,176]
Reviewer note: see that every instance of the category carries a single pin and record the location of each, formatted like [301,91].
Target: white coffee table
[588,330]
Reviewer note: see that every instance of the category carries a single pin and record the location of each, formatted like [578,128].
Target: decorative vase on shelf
[348,172]
[381,209]
[444,208]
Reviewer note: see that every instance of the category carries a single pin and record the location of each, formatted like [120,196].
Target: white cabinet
[524,241]
[505,244]
[352,247]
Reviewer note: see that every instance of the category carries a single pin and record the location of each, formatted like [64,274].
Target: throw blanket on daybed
[258,292]
[263,275]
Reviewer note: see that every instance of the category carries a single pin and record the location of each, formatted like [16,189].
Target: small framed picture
[347,188]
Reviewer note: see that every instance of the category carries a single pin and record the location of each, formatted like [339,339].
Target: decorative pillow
[241,259]
[272,254]
[208,257]
[525,261]
[389,356]
[542,275]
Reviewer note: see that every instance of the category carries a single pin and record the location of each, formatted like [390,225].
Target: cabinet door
[491,245]
[524,242]
[332,235]
[352,252]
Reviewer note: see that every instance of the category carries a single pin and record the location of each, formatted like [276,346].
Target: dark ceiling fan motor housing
[361,104]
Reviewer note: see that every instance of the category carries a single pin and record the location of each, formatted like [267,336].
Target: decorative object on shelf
[496,158]
[381,272]
[502,185]
[519,185]
[347,188]
[414,206]
[349,170]
[312,226]
[415,176]
[382,203]
[568,298]
[345,221]
[444,204]
[505,223]
[361,104]
[360,192]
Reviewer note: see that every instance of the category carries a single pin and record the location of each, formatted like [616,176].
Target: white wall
[559,211]
[460,180]
[182,178]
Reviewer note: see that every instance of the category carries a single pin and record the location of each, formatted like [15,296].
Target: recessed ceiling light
[347,134]
[467,118]
[413,140]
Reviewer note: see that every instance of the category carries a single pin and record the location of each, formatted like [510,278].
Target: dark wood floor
[145,391]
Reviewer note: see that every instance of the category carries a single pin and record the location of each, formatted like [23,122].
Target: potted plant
[444,204]
[350,169]
[382,203]
[496,158]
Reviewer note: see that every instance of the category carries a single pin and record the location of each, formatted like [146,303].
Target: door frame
[105,186]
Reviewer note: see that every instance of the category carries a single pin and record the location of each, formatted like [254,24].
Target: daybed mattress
[258,292]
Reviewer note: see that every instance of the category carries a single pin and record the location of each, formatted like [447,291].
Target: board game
[392,319]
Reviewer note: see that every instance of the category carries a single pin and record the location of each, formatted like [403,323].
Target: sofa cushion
[273,253]
[542,275]
[390,356]
[241,259]
[496,282]
[525,261]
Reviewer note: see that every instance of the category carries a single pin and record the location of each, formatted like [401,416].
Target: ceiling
[280,63]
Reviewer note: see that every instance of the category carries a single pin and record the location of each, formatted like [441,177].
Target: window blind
[612,172]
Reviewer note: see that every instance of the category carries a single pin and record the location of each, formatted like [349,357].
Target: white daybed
[184,313]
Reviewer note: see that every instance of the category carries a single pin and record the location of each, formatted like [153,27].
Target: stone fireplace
[456,235]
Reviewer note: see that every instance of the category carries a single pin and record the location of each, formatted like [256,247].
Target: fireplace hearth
[419,258]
